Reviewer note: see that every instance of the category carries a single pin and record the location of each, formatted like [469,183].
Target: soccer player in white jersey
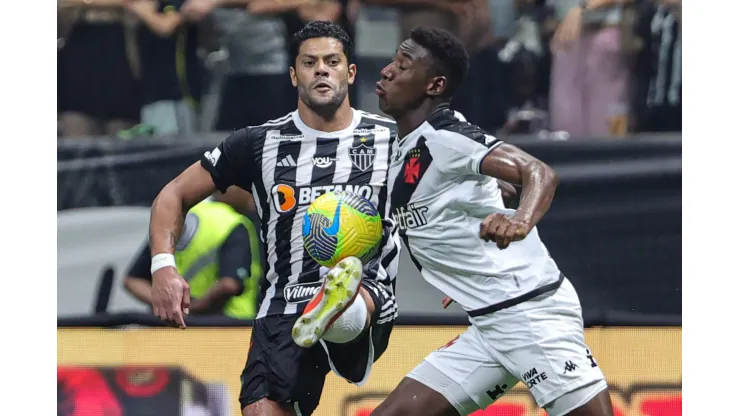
[526,317]
[299,334]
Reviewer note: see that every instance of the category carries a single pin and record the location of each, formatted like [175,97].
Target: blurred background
[146,86]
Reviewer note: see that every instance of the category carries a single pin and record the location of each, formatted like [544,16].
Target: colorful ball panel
[339,225]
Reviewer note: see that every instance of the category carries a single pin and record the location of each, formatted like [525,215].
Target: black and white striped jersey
[439,198]
[286,165]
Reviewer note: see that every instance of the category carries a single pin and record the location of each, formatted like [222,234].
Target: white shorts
[539,342]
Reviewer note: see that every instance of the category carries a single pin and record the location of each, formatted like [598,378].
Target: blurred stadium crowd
[177,74]
[558,68]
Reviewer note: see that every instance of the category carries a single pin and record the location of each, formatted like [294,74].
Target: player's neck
[331,121]
[416,117]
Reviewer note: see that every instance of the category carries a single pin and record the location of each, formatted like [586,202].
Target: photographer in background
[218,255]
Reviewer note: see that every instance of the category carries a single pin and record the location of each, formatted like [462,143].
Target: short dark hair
[321,29]
[450,57]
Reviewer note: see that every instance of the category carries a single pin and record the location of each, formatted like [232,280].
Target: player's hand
[446,302]
[503,229]
[170,296]
[197,10]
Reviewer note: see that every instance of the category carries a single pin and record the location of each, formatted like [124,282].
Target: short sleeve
[461,148]
[232,161]
[142,264]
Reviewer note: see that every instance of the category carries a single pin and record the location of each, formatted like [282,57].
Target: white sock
[350,323]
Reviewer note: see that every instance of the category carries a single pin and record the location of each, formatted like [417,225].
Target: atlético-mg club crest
[362,156]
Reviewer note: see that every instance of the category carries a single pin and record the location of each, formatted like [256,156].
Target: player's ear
[352,70]
[437,86]
[293,79]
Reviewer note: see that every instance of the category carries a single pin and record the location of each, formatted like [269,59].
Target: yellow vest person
[218,254]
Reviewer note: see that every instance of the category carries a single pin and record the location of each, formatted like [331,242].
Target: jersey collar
[308,131]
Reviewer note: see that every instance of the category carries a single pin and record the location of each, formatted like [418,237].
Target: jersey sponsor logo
[532,377]
[410,216]
[301,292]
[285,198]
[591,357]
[367,131]
[213,156]
[497,391]
[275,134]
[286,162]
[323,161]
[569,367]
[362,156]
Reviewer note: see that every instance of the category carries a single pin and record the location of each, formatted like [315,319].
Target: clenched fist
[170,296]
[503,229]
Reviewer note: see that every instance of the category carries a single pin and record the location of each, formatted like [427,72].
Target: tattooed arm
[170,292]
[228,164]
[173,202]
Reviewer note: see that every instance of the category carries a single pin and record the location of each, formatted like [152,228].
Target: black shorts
[279,370]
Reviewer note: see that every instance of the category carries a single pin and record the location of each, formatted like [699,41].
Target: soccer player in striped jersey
[286,164]
[526,323]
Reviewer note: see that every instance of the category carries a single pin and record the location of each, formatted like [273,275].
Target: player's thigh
[465,374]
[279,370]
[590,400]
[542,343]
[412,398]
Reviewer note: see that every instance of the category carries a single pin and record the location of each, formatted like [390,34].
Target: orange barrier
[642,365]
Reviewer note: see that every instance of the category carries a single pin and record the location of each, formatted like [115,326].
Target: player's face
[322,73]
[408,80]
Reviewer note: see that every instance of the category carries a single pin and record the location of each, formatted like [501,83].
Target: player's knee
[399,407]
[411,398]
[393,407]
[267,407]
[599,405]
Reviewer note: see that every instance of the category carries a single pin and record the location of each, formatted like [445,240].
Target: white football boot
[341,286]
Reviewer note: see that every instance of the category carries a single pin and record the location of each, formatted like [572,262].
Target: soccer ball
[341,224]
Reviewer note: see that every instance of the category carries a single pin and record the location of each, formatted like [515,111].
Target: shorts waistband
[517,300]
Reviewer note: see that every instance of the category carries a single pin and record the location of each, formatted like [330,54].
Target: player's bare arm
[539,181]
[170,292]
